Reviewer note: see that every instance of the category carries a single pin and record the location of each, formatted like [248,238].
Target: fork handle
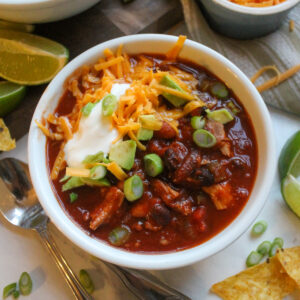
[78,290]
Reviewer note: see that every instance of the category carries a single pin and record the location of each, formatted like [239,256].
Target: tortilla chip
[6,142]
[290,261]
[266,281]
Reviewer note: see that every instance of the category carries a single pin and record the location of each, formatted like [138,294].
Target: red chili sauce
[159,222]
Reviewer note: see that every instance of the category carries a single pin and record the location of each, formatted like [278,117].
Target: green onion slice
[98,172]
[278,241]
[86,110]
[73,197]
[220,90]
[133,188]
[197,122]
[25,284]
[259,228]
[9,289]
[109,104]
[204,138]
[86,281]
[119,236]
[253,259]
[153,164]
[264,248]
[16,294]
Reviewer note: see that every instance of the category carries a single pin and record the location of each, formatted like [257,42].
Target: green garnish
[119,236]
[253,259]
[9,289]
[264,248]
[73,197]
[16,294]
[72,183]
[86,281]
[94,158]
[25,284]
[109,104]
[98,172]
[133,188]
[153,164]
[277,244]
[220,90]
[220,115]
[86,110]
[204,138]
[259,228]
[197,122]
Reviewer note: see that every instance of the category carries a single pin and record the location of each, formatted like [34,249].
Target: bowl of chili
[242,20]
[181,179]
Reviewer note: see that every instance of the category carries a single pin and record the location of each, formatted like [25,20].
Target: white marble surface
[21,250]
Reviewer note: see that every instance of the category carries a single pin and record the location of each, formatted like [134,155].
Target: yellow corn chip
[6,142]
[266,281]
[290,261]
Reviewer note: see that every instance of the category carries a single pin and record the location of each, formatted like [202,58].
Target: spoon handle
[73,282]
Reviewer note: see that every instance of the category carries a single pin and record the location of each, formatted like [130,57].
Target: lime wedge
[290,189]
[289,159]
[29,59]
[10,96]
[16,26]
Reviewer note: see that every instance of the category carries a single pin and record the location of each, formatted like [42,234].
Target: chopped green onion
[119,236]
[72,183]
[233,108]
[277,244]
[204,138]
[94,158]
[264,248]
[253,259]
[259,228]
[220,115]
[133,188]
[278,241]
[86,110]
[153,164]
[86,281]
[197,122]
[73,197]
[109,104]
[16,294]
[220,90]
[98,172]
[25,284]
[9,289]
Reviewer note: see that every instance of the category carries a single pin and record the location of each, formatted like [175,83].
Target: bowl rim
[257,10]
[121,257]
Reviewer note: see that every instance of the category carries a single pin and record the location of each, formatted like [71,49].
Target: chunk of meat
[174,155]
[198,218]
[201,176]
[157,146]
[220,194]
[219,169]
[166,132]
[173,199]
[108,206]
[217,129]
[143,206]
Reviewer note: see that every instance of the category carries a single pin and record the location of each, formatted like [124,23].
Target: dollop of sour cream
[94,134]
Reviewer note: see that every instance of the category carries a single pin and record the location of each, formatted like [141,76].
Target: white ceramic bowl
[244,22]
[41,11]
[219,66]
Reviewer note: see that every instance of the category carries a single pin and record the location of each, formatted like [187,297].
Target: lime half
[10,96]
[289,160]
[29,59]
[290,188]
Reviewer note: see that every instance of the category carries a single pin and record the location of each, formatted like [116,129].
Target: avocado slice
[144,134]
[175,100]
[123,154]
